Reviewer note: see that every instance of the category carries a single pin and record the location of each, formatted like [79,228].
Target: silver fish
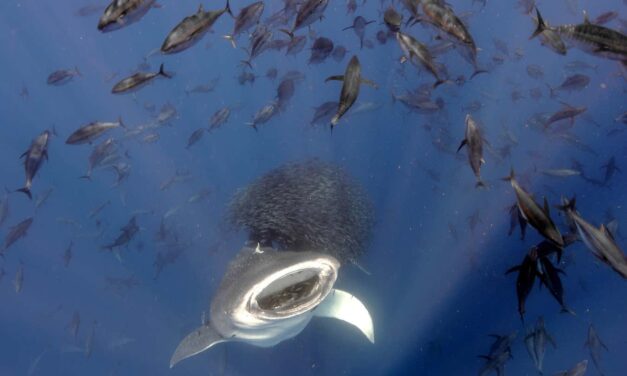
[578,370]
[219,118]
[33,159]
[350,89]
[594,39]
[474,141]
[191,29]
[16,233]
[418,54]
[264,115]
[309,12]
[97,157]
[245,19]
[137,81]
[90,132]
[62,76]
[121,13]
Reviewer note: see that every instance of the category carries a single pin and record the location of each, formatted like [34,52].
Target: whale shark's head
[267,296]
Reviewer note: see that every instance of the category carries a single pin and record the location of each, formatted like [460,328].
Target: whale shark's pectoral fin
[199,340]
[344,306]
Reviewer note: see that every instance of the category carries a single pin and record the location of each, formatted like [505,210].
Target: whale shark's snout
[267,296]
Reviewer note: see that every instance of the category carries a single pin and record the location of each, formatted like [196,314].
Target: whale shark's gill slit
[288,297]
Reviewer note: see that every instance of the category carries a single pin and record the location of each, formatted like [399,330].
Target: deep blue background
[433,298]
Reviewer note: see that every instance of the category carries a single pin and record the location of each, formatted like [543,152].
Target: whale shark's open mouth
[268,296]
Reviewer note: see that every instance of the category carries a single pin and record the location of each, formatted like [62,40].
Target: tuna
[245,19]
[418,54]
[474,140]
[90,132]
[121,13]
[138,80]
[350,89]
[33,159]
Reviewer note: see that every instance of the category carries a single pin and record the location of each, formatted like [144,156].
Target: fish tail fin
[231,39]
[481,184]
[227,8]
[253,125]
[568,205]
[289,33]
[248,63]
[335,120]
[163,73]
[26,190]
[541,25]
[511,175]
[348,27]
[461,145]
[477,71]
[121,122]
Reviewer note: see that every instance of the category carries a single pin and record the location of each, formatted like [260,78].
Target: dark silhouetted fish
[62,76]
[320,50]
[128,232]
[137,81]
[195,137]
[537,217]
[338,53]
[219,117]
[535,71]
[296,45]
[245,19]
[259,41]
[203,88]
[90,132]
[359,26]
[16,233]
[610,169]
[392,19]
[575,82]
[324,113]
[567,112]
[191,29]
[527,273]
[352,80]
[4,207]
[99,155]
[121,13]
[549,277]
[474,141]
[67,255]
[516,218]
[594,345]
[495,364]
[33,159]
[606,17]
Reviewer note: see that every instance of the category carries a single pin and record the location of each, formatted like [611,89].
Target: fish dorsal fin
[335,78]
[199,340]
[612,227]
[605,231]
[201,9]
[343,306]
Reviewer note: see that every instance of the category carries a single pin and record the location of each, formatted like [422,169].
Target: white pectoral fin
[199,340]
[344,306]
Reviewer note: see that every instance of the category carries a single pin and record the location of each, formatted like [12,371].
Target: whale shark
[267,296]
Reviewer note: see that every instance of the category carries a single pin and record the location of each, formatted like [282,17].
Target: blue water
[435,290]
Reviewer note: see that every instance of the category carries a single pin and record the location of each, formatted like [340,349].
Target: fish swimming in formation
[138,80]
[62,76]
[350,89]
[33,159]
[195,137]
[121,13]
[101,152]
[576,82]
[219,118]
[516,218]
[245,19]
[549,277]
[591,38]
[594,344]
[539,218]
[474,142]
[264,115]
[90,132]
[268,296]
[551,39]
[259,41]
[495,364]
[418,54]
[610,169]
[392,19]
[320,50]
[191,29]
